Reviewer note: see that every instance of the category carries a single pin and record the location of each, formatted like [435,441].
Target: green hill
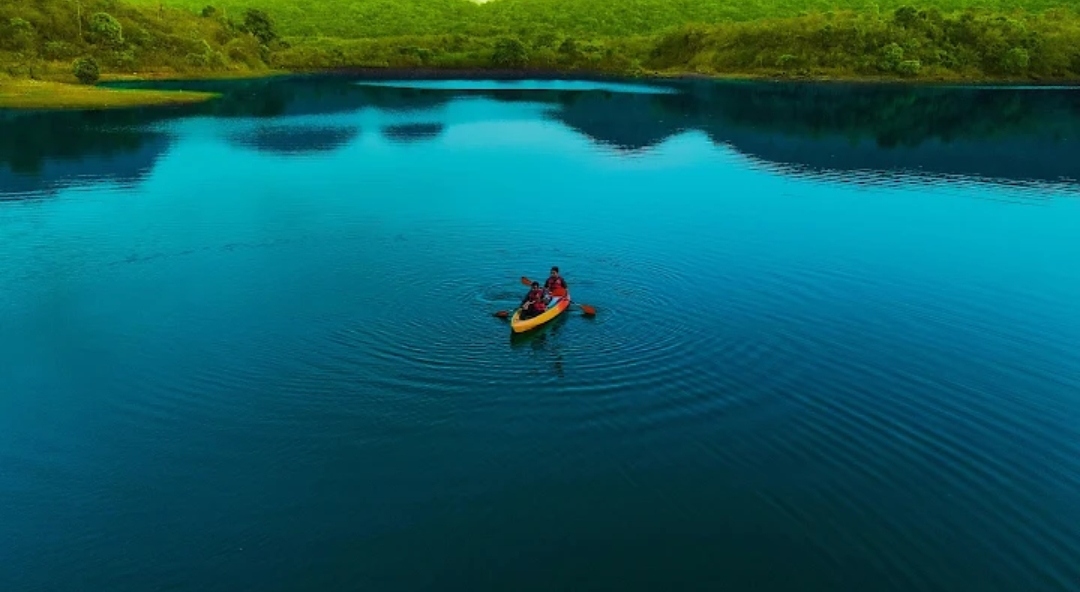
[381,18]
[41,38]
[850,39]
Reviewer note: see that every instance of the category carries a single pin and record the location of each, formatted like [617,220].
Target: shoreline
[25,94]
[394,73]
[42,95]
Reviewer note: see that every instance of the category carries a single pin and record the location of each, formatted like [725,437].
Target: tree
[1016,60]
[86,70]
[891,56]
[18,36]
[258,23]
[905,16]
[106,30]
[909,68]
[509,52]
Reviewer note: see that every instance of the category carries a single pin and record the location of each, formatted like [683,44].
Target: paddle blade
[526,281]
[588,310]
[502,314]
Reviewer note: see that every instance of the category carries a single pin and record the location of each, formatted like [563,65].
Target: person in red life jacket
[536,293]
[555,284]
[533,304]
[535,307]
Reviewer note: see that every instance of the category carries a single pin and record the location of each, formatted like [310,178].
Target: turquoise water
[250,345]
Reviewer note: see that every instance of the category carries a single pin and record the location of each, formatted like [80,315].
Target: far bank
[905,46]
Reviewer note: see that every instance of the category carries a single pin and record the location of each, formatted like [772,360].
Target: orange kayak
[555,308]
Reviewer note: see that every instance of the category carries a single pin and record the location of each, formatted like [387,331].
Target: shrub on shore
[86,70]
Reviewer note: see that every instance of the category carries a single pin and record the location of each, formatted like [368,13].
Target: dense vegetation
[579,18]
[941,40]
[67,39]
[907,43]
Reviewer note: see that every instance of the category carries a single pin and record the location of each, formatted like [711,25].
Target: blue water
[250,345]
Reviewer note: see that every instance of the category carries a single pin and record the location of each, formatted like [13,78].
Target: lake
[250,344]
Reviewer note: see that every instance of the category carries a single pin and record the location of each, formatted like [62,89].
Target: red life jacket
[555,285]
[538,306]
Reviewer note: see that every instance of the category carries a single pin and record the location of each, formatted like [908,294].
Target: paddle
[585,308]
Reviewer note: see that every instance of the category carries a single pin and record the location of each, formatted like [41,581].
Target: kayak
[555,308]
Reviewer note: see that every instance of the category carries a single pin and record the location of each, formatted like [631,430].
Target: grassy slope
[865,39]
[37,94]
[377,18]
[40,39]
[812,38]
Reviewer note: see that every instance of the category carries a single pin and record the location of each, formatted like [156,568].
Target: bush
[909,67]
[509,53]
[58,50]
[258,23]
[208,12]
[1016,60]
[18,35]
[105,30]
[198,60]
[905,16]
[891,56]
[140,37]
[243,50]
[123,60]
[786,61]
[86,70]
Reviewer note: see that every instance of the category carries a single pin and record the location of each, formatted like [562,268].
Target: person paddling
[536,293]
[533,304]
[556,284]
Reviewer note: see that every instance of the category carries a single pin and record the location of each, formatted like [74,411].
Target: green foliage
[509,53]
[578,18]
[258,23]
[44,36]
[59,50]
[787,61]
[933,39]
[906,16]
[17,35]
[1016,60]
[909,68]
[891,57]
[86,70]
[105,30]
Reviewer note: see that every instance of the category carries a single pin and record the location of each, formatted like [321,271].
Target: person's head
[554,272]
[536,285]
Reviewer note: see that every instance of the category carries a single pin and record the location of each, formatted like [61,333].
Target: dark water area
[249,344]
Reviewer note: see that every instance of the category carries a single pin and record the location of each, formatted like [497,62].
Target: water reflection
[1003,135]
[46,151]
[542,343]
[413,132]
[296,139]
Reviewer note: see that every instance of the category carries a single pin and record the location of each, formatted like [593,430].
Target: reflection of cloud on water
[295,139]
